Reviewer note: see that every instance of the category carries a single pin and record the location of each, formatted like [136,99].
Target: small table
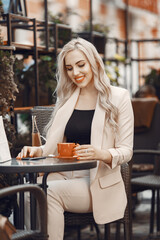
[45,166]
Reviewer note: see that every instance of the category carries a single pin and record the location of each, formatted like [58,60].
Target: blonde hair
[65,87]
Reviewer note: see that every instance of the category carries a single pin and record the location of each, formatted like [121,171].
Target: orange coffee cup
[66,149]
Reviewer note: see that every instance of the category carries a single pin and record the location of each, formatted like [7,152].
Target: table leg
[33,212]
[44,182]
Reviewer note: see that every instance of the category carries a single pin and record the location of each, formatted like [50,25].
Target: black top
[78,128]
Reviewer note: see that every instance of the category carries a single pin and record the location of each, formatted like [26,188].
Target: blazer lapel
[97,131]
[56,132]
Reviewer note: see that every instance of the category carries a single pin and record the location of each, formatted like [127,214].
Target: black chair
[145,168]
[43,115]
[78,220]
[145,136]
[150,182]
[41,232]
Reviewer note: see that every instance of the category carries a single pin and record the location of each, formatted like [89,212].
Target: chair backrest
[43,116]
[40,196]
[126,175]
[149,137]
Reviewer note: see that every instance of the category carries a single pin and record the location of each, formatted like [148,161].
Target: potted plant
[26,82]
[63,30]
[112,69]
[153,79]
[99,35]
[8,88]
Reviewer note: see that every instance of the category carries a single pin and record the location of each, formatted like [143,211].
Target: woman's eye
[69,69]
[82,65]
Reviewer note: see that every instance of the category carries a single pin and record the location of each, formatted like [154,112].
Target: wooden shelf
[60,33]
[20,47]
[9,48]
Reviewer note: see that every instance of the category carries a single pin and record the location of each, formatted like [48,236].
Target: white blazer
[107,187]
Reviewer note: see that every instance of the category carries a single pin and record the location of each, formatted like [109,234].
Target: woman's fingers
[29,152]
[80,147]
[85,151]
[24,152]
[35,152]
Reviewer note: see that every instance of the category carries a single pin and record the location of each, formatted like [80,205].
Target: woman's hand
[30,152]
[85,152]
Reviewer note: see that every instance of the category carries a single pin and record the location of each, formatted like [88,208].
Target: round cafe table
[45,165]
[31,168]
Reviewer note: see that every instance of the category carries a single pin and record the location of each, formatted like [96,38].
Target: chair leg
[107,232]
[152,212]
[97,231]
[78,233]
[16,216]
[158,213]
[127,231]
[118,230]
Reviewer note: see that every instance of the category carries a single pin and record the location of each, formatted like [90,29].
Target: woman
[99,117]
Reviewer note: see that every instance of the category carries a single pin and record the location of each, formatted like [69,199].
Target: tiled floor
[140,226]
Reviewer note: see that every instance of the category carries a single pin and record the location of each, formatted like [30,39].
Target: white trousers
[72,195]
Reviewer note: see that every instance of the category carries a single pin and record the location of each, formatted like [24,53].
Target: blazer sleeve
[123,149]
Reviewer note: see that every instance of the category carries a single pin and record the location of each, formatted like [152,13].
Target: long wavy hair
[65,86]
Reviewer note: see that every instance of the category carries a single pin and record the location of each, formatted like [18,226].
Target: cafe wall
[143,22]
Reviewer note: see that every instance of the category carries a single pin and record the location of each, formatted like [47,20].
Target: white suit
[106,185]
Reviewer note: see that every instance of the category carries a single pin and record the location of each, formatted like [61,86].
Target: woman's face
[78,68]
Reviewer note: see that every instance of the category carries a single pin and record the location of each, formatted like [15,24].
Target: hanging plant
[64,31]
[99,35]
[153,79]
[97,27]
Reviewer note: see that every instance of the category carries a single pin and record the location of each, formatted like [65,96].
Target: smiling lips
[79,79]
